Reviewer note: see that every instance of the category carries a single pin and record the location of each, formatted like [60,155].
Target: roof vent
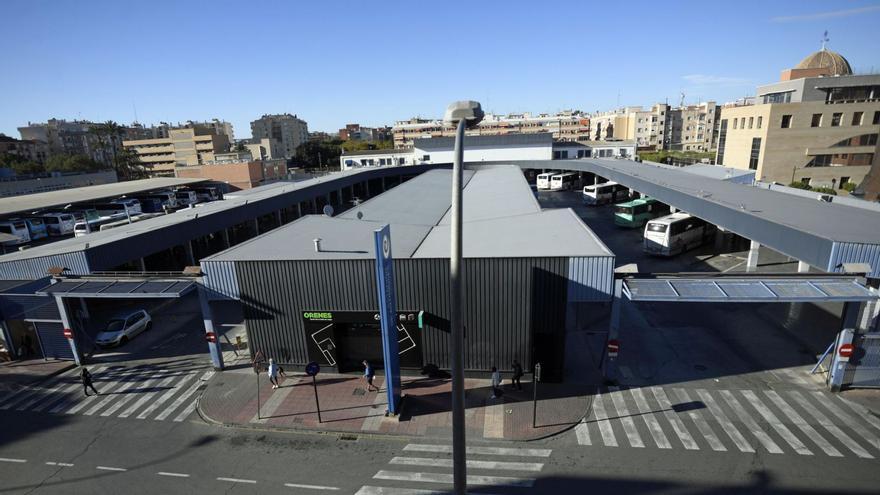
[317,245]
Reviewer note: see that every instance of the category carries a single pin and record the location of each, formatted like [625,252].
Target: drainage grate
[351,438]
[359,391]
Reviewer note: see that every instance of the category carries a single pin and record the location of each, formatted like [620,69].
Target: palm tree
[109,135]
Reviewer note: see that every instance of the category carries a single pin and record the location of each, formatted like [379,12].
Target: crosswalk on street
[747,421]
[426,469]
[138,392]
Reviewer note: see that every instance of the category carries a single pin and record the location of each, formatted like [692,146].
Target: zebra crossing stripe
[847,419]
[650,420]
[473,464]
[51,396]
[18,397]
[83,401]
[701,423]
[862,412]
[602,422]
[735,436]
[805,427]
[187,410]
[149,382]
[629,426]
[830,426]
[147,397]
[127,381]
[447,478]
[70,394]
[164,397]
[583,433]
[177,402]
[774,422]
[40,395]
[677,425]
[506,451]
[750,423]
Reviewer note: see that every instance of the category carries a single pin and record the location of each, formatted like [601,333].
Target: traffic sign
[845,351]
[68,333]
[211,337]
[313,368]
[613,348]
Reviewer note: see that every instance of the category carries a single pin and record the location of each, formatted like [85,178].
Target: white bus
[59,223]
[600,194]
[676,233]
[17,228]
[564,181]
[543,181]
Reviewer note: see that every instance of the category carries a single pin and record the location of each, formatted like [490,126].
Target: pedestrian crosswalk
[426,469]
[748,421]
[140,392]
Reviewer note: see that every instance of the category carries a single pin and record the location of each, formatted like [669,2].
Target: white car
[123,328]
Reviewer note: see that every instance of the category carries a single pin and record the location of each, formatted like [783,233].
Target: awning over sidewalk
[120,289]
[724,289]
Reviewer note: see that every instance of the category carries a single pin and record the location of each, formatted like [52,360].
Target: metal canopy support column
[278,218]
[839,365]
[226,238]
[752,261]
[190,257]
[208,319]
[608,364]
[367,189]
[65,323]
[299,210]
[257,226]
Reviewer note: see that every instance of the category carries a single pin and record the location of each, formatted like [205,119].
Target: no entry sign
[68,333]
[613,348]
[845,351]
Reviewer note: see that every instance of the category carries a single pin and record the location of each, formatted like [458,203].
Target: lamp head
[468,110]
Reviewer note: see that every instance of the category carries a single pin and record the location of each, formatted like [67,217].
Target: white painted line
[59,464]
[385,490]
[650,420]
[738,439]
[777,425]
[108,468]
[275,400]
[311,487]
[173,475]
[177,402]
[153,377]
[602,422]
[237,480]
[750,423]
[73,394]
[187,410]
[863,412]
[859,428]
[164,397]
[127,381]
[90,401]
[583,433]
[37,396]
[805,427]
[629,426]
[9,459]
[447,449]
[830,426]
[149,395]
[447,478]
[25,393]
[701,423]
[447,463]
[677,424]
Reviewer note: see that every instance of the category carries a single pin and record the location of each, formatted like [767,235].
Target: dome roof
[826,59]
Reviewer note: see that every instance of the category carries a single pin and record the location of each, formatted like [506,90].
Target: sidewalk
[15,375]
[231,399]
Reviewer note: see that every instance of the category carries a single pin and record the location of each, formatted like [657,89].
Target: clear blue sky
[334,62]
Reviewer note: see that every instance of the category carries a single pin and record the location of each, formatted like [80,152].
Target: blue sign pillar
[388,316]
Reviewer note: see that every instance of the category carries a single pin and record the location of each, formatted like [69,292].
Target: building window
[734,123]
[786,121]
[817,120]
[751,122]
[876,118]
[756,152]
[722,140]
[843,182]
[835,119]
[426,158]
[760,119]
[857,118]
[805,181]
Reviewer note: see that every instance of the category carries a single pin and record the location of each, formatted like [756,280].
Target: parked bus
[675,234]
[563,182]
[134,206]
[84,227]
[17,228]
[59,223]
[167,199]
[635,213]
[208,194]
[600,194]
[186,197]
[36,228]
[543,180]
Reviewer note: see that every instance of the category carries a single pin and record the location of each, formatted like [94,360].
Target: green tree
[20,165]
[800,185]
[130,165]
[109,135]
[318,154]
[72,163]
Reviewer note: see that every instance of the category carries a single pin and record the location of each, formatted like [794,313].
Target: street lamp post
[464,114]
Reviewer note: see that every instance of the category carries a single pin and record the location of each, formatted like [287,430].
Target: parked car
[123,328]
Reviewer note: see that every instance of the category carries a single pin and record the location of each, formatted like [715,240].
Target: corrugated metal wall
[52,340]
[33,268]
[590,279]
[506,299]
[29,307]
[220,280]
[851,252]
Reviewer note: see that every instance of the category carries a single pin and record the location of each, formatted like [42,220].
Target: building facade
[820,130]
[569,125]
[236,174]
[288,130]
[73,138]
[662,127]
[357,132]
[183,147]
[27,149]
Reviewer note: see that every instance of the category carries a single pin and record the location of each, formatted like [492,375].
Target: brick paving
[346,406]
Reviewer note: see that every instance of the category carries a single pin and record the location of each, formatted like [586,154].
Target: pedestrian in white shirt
[496,382]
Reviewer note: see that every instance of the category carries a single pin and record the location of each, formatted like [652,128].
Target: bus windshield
[656,227]
[623,210]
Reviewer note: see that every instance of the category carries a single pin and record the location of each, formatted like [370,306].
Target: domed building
[834,62]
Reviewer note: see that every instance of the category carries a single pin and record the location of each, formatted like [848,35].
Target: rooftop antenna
[825,39]
[135,111]
[681,102]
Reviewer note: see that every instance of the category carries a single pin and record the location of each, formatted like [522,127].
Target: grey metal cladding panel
[31,307]
[745,290]
[179,287]
[220,279]
[64,286]
[705,290]
[650,288]
[423,284]
[590,278]
[841,289]
[153,287]
[92,287]
[126,287]
[793,290]
[852,252]
[75,263]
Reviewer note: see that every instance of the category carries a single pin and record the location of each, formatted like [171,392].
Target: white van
[59,223]
[17,228]
[563,182]
[676,233]
[600,194]
[133,205]
[543,181]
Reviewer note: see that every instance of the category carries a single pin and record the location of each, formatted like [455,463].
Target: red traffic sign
[68,333]
[845,350]
[211,337]
[613,347]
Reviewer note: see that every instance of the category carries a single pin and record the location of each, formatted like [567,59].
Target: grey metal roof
[447,143]
[38,201]
[495,192]
[389,151]
[116,288]
[752,289]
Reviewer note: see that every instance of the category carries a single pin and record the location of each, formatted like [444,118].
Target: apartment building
[357,132]
[662,127]
[288,130]
[236,171]
[818,125]
[569,125]
[27,149]
[184,147]
[71,137]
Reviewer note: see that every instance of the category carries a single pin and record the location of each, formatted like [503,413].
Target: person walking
[369,374]
[496,382]
[86,378]
[517,375]
[273,371]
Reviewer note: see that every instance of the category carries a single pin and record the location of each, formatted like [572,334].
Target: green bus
[637,212]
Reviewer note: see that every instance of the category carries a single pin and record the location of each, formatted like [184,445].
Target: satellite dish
[328,210]
[360,215]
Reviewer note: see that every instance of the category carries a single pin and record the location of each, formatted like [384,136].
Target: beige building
[289,131]
[686,128]
[819,125]
[569,125]
[183,147]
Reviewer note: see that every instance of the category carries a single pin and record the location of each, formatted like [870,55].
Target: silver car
[123,328]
